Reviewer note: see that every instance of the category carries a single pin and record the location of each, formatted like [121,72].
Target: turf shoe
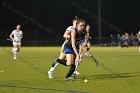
[68,79]
[76,72]
[86,54]
[15,58]
[50,74]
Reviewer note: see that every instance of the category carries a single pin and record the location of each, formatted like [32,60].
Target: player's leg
[61,56]
[55,64]
[67,62]
[70,62]
[15,50]
[68,51]
[19,46]
[88,46]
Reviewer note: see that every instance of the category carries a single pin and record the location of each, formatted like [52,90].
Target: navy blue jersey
[79,36]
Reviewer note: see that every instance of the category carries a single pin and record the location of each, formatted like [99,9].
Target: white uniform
[69,28]
[66,40]
[139,35]
[17,37]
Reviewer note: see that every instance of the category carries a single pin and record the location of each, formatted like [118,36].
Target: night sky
[57,15]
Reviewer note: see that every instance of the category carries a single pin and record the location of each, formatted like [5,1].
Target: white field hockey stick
[9,39]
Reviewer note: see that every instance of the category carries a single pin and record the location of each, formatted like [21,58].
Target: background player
[139,39]
[16,36]
[88,39]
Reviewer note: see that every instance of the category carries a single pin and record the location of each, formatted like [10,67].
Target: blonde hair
[80,20]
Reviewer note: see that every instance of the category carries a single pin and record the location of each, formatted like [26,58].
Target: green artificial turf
[118,72]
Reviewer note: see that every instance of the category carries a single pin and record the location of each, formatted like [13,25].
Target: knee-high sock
[63,62]
[72,69]
[54,65]
[15,51]
[87,49]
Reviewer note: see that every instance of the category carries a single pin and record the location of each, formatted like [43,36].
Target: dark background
[50,18]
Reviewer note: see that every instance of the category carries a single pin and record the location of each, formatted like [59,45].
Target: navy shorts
[68,51]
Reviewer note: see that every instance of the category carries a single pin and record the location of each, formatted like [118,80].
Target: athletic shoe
[68,79]
[15,58]
[76,72]
[50,74]
[86,54]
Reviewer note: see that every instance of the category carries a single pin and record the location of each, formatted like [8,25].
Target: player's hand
[14,40]
[77,58]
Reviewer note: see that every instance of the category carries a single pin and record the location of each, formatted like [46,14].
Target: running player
[62,54]
[16,36]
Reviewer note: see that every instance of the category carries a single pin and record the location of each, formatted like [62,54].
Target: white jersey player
[16,36]
[67,35]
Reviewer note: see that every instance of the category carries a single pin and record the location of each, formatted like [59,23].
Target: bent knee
[69,63]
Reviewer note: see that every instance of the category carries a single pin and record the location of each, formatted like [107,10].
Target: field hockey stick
[9,39]
[94,59]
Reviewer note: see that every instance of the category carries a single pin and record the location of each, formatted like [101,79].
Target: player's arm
[21,35]
[66,34]
[11,36]
[73,41]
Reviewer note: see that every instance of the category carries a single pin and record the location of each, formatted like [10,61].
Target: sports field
[118,72]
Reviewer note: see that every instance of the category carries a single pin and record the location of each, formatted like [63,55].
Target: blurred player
[124,41]
[16,36]
[139,39]
[88,39]
[62,54]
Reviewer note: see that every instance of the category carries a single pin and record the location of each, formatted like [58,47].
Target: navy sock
[72,69]
[88,49]
[63,62]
